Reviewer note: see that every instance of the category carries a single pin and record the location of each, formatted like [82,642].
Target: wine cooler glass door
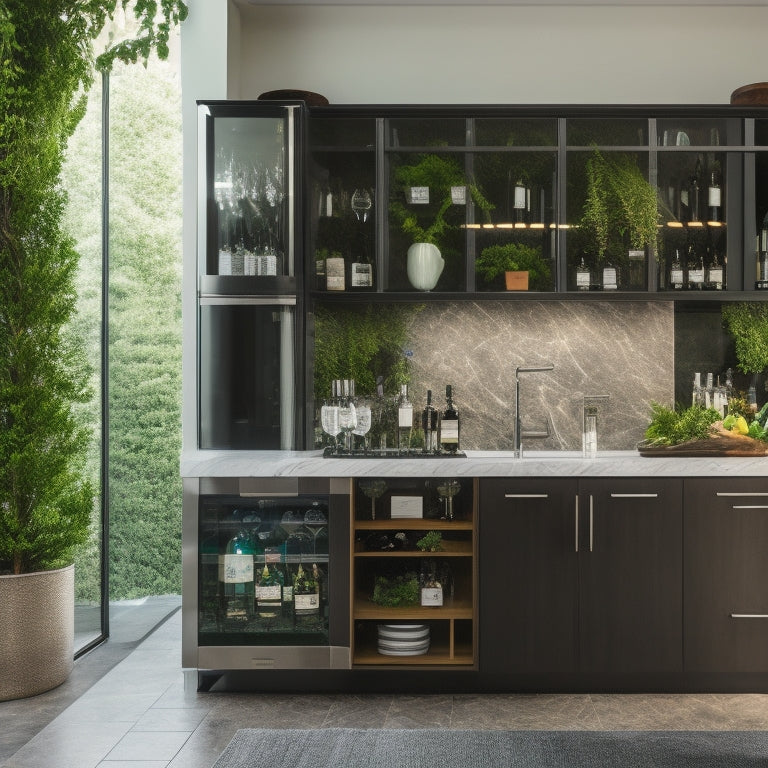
[247,373]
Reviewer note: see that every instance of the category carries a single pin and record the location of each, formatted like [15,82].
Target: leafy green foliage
[619,202]
[400,590]
[46,499]
[747,322]
[495,260]
[431,541]
[439,173]
[361,344]
[674,426]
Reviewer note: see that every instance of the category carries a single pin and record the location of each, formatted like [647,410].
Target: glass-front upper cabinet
[695,172]
[611,207]
[249,197]
[757,226]
[469,200]
[342,203]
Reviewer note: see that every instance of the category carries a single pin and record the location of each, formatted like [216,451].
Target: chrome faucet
[518,425]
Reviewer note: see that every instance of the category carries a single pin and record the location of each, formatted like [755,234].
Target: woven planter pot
[37,630]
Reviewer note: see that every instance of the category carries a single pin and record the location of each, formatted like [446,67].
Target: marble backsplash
[621,349]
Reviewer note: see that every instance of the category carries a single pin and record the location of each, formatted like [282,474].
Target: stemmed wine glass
[363,422]
[329,419]
[347,415]
[447,491]
[373,489]
[361,204]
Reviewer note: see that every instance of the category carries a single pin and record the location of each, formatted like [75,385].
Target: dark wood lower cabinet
[581,581]
[529,578]
[726,579]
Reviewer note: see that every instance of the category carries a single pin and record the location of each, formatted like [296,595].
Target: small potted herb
[522,266]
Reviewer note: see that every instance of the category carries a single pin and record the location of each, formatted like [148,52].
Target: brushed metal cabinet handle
[634,495]
[576,538]
[749,615]
[591,522]
[526,495]
[742,493]
[749,506]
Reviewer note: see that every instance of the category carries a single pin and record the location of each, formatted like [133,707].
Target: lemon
[740,427]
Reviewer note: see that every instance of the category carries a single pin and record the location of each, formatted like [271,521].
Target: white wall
[512,54]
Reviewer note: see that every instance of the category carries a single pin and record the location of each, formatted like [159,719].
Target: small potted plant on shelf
[522,266]
[620,214]
[432,541]
[437,183]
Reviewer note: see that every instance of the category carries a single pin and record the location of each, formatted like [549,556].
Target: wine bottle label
[459,195]
[582,279]
[714,197]
[609,278]
[432,596]
[306,603]
[362,275]
[449,431]
[235,569]
[696,275]
[225,262]
[418,195]
[334,274]
[249,263]
[287,594]
[676,276]
[405,417]
[270,594]
[520,198]
[716,275]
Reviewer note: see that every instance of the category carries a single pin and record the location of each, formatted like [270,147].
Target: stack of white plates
[403,639]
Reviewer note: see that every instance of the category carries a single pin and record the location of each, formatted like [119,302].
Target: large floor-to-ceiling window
[123,176]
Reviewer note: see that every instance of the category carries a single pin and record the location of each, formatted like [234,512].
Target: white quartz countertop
[476,464]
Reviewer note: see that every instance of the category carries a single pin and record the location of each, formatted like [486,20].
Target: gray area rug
[435,748]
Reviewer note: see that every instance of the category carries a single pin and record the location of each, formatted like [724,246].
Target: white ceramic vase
[425,265]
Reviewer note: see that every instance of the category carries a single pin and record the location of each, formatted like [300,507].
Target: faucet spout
[518,425]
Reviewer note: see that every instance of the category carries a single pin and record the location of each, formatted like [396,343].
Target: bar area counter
[542,464]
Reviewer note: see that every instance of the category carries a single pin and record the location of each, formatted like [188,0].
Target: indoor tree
[47,67]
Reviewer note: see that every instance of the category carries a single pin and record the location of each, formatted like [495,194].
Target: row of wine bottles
[437,431]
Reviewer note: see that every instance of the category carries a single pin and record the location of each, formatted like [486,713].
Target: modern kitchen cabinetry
[581,579]
[726,573]
[384,546]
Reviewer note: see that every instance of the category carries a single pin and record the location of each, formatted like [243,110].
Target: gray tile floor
[139,715]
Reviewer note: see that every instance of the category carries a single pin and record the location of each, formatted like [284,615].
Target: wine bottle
[449,424]
[361,268]
[521,202]
[694,196]
[404,420]
[306,594]
[695,271]
[269,594]
[237,578]
[334,272]
[714,197]
[429,425]
[714,279]
[676,278]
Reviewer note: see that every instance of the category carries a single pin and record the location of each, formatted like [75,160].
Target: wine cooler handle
[591,522]
[526,495]
[634,495]
[576,538]
[749,615]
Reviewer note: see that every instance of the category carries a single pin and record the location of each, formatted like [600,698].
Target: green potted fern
[523,266]
[46,498]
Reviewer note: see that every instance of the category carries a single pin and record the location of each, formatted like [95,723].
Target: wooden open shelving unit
[453,626]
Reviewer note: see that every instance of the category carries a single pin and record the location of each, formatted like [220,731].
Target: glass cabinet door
[342,204]
[247,376]
[248,194]
[263,571]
